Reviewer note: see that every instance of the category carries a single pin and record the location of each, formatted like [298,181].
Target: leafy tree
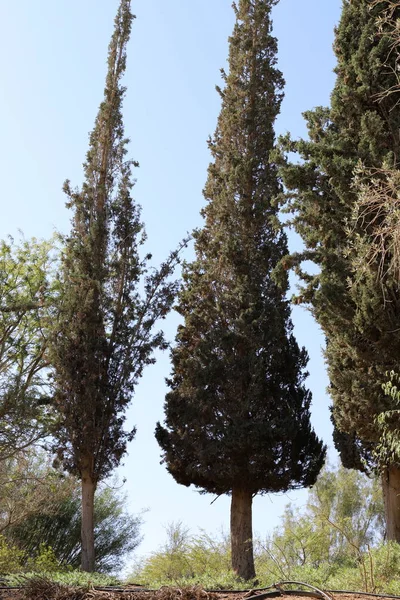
[237,416]
[116,532]
[104,335]
[377,213]
[29,486]
[357,312]
[343,517]
[27,291]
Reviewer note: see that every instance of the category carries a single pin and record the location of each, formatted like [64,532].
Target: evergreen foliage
[358,315]
[387,451]
[104,335]
[237,414]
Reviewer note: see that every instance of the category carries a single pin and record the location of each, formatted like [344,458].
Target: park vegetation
[80,314]
[238,413]
[336,541]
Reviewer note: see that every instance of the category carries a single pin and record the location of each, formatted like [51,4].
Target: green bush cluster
[15,560]
[16,567]
[334,542]
[207,564]
[186,560]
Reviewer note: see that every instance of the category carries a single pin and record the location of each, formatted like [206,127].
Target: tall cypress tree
[104,334]
[358,315]
[237,416]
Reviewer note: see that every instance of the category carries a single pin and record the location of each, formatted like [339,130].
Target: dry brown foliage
[378,213]
[41,588]
[389,26]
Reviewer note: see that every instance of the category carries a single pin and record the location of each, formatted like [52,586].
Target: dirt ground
[46,591]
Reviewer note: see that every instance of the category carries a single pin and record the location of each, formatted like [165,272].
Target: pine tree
[237,416]
[358,315]
[104,335]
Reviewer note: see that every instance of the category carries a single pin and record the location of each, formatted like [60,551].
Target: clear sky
[52,66]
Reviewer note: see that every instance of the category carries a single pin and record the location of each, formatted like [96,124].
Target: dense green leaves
[358,316]
[110,301]
[237,413]
[104,335]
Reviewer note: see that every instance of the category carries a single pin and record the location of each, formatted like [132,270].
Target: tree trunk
[87,528]
[242,533]
[391,496]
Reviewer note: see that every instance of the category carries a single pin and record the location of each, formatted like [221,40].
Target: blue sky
[52,64]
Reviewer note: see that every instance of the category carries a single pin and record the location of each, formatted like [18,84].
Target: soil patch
[44,590]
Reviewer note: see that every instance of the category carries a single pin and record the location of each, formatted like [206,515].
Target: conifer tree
[357,312]
[237,417]
[104,335]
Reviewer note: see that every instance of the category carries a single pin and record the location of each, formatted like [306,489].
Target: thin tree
[104,335]
[237,418]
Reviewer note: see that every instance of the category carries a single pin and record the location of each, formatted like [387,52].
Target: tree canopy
[28,289]
[358,315]
[238,413]
[104,335]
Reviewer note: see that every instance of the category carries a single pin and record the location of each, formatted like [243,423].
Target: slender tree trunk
[391,496]
[87,529]
[242,533]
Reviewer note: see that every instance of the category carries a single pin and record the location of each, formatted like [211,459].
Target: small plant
[11,558]
[187,560]
[45,561]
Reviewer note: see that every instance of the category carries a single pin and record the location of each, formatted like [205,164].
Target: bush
[14,560]
[186,559]
[334,542]
[45,561]
[116,531]
[11,558]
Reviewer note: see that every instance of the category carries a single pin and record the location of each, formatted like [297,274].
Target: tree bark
[87,528]
[391,496]
[242,533]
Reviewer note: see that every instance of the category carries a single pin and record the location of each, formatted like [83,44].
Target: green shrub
[116,531]
[333,542]
[385,567]
[186,559]
[11,558]
[45,561]
[190,560]
[15,561]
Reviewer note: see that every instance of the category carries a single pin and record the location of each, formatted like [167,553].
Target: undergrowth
[187,560]
[68,578]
